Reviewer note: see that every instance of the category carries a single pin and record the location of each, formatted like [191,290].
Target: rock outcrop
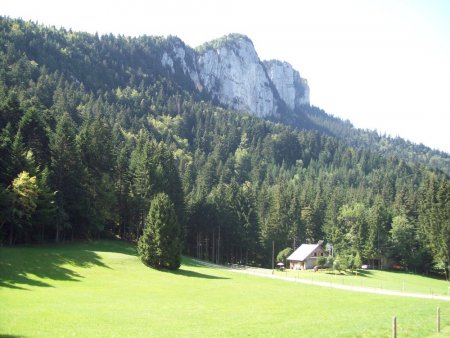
[230,71]
[233,74]
[293,89]
[178,54]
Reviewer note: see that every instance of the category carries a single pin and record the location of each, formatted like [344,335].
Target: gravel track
[267,274]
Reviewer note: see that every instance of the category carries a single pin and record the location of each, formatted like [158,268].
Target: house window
[321,253]
[315,254]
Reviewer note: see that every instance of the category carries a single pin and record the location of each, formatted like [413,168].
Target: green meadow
[376,279]
[101,289]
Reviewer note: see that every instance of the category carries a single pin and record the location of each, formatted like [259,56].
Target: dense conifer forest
[93,127]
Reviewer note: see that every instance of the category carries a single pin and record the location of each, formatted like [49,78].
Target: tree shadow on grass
[191,262]
[116,246]
[358,273]
[23,266]
[365,273]
[194,274]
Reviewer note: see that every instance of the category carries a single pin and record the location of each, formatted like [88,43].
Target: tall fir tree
[66,177]
[160,245]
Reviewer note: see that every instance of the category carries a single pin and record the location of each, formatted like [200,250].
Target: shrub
[284,254]
[322,261]
[330,261]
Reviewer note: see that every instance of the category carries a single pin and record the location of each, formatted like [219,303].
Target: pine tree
[122,188]
[6,142]
[142,177]
[247,219]
[435,220]
[167,178]
[308,221]
[160,244]
[6,210]
[34,131]
[65,176]
[45,214]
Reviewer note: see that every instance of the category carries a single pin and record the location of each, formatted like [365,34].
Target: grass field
[101,289]
[379,279]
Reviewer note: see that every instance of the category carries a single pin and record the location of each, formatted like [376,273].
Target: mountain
[230,71]
[226,71]
[92,128]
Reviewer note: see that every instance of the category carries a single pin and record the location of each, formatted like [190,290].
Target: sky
[384,65]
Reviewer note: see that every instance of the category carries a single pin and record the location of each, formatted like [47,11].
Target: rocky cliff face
[178,56]
[293,90]
[234,75]
[230,70]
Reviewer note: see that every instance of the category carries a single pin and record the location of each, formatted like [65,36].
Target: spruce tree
[160,244]
[66,174]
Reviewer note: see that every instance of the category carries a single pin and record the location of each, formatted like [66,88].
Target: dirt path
[260,273]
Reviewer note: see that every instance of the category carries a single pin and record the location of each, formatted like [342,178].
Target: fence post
[394,327]
[438,320]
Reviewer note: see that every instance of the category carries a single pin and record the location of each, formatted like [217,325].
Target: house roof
[303,252]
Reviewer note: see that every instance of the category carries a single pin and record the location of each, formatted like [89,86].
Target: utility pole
[273,255]
[218,247]
[378,248]
[214,247]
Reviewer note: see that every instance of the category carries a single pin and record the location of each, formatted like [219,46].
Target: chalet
[305,257]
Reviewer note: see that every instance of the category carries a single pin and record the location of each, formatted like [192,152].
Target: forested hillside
[382,144]
[93,127]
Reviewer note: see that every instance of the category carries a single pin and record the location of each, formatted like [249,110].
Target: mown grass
[378,279]
[101,289]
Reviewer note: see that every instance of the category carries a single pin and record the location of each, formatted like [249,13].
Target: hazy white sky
[382,64]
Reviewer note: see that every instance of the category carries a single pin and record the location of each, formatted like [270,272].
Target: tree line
[92,131]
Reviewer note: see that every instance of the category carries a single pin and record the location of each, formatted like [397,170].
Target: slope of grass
[101,289]
[379,279]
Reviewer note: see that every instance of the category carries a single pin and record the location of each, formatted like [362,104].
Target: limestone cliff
[230,71]
[233,74]
[293,90]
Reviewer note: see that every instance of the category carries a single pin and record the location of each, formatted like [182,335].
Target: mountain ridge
[230,71]
[93,128]
[286,96]
[106,62]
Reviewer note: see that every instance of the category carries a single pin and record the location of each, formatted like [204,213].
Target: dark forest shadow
[19,265]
